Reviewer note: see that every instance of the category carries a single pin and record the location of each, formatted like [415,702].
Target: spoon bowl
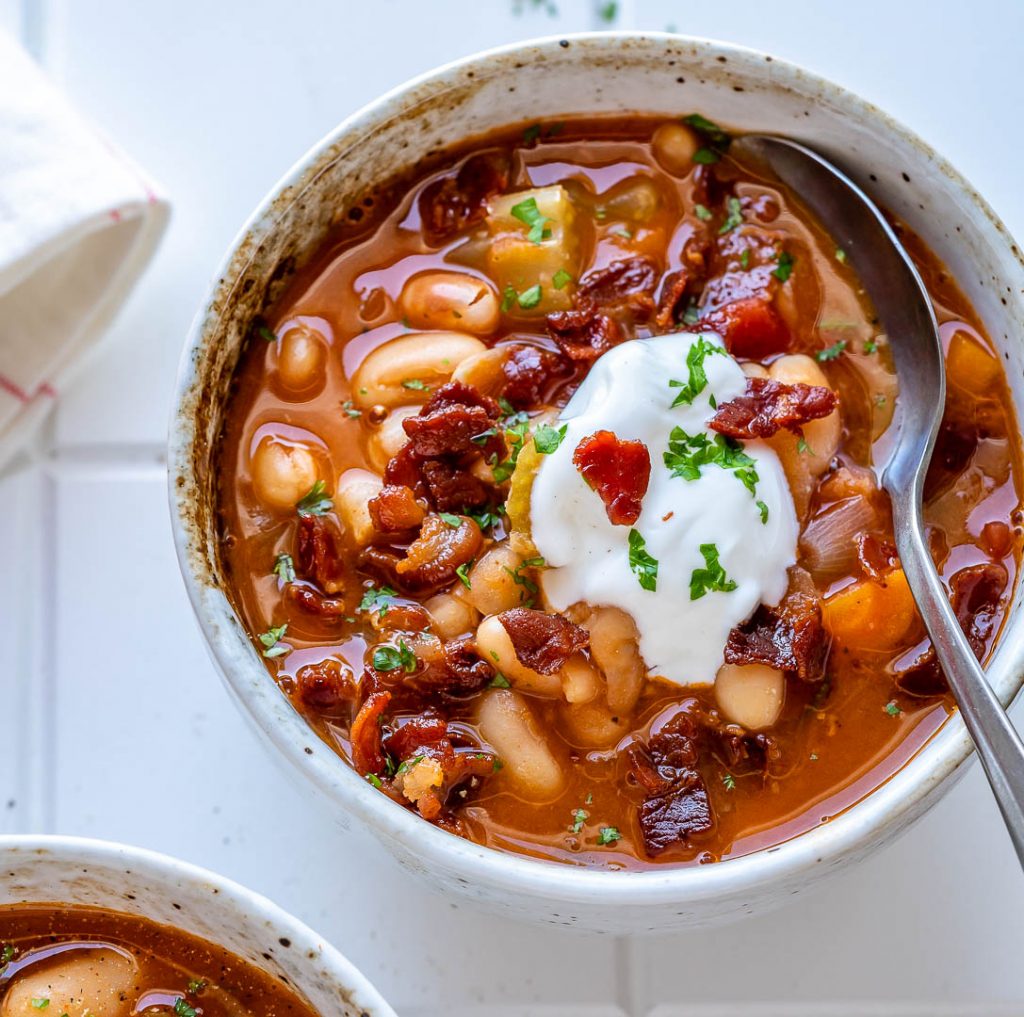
[901,300]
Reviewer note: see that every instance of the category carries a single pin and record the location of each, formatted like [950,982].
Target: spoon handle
[997,742]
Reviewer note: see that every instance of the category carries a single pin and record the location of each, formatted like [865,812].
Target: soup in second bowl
[548,496]
[59,961]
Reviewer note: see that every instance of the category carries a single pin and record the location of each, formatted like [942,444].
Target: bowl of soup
[524,475]
[94,928]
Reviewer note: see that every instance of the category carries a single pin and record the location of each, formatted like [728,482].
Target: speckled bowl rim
[863,827]
[139,867]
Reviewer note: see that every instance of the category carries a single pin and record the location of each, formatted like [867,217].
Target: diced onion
[828,545]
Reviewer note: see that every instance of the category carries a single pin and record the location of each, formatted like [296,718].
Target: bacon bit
[583,334]
[673,289]
[790,637]
[529,372]
[751,328]
[310,599]
[365,736]
[629,283]
[455,202]
[543,642]
[464,671]
[325,687]
[877,557]
[445,427]
[395,509]
[769,405]
[317,552]
[453,488]
[433,557]
[427,730]
[619,471]
[976,593]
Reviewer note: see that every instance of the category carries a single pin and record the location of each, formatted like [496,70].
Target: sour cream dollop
[627,391]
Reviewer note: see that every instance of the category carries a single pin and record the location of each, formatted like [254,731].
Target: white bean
[355,489]
[301,358]
[451,615]
[450,300]
[751,695]
[492,581]
[614,648]
[673,146]
[494,645]
[406,369]
[389,437]
[95,981]
[483,371]
[593,725]
[821,436]
[581,682]
[282,473]
[509,727]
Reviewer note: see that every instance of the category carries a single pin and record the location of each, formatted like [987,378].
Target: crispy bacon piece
[453,488]
[619,471]
[464,671]
[543,642]
[673,289]
[401,618]
[365,735]
[395,509]
[769,405]
[529,372]
[976,593]
[325,687]
[310,599]
[433,557]
[628,283]
[428,729]
[790,637]
[455,202]
[876,556]
[584,333]
[317,553]
[750,327]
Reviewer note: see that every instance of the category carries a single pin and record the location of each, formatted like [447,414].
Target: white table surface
[112,721]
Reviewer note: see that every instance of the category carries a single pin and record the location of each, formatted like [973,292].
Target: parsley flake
[643,566]
[196,986]
[579,817]
[391,658]
[531,134]
[182,1008]
[284,568]
[708,129]
[687,453]
[745,258]
[449,519]
[561,279]
[840,255]
[271,640]
[530,215]
[350,411]
[703,212]
[763,509]
[892,709]
[802,447]
[499,681]
[375,780]
[698,380]
[870,346]
[416,384]
[785,266]
[735,216]
[729,781]
[42,1002]
[710,578]
[316,501]
[832,353]
[608,835]
[378,600]
[546,439]
[463,573]
[706,156]
[608,11]
[531,297]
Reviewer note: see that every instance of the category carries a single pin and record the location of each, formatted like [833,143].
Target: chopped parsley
[735,216]
[561,279]
[271,640]
[840,255]
[407,764]
[525,581]
[546,439]
[832,353]
[316,501]
[579,817]
[643,566]
[515,436]
[608,835]
[463,573]
[706,156]
[486,519]
[266,333]
[449,519]
[710,578]
[528,213]
[703,212]
[499,681]
[698,380]
[707,129]
[621,231]
[375,780]
[785,266]
[184,1009]
[729,781]
[350,411]
[892,709]
[528,298]
[416,384]
[42,1002]
[763,509]
[7,955]
[391,658]
[870,346]
[687,453]
[530,135]
[196,986]
[608,11]
[802,447]
[284,568]
[745,258]
[691,315]
[378,600]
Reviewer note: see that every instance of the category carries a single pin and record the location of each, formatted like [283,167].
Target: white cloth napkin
[78,224]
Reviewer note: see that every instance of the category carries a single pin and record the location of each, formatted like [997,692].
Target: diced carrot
[872,614]
[751,328]
[971,366]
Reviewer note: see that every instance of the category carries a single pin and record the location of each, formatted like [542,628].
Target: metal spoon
[905,309]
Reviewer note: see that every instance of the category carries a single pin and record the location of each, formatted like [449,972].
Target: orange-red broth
[838,740]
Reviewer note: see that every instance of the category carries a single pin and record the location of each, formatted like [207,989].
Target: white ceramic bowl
[547,79]
[72,870]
